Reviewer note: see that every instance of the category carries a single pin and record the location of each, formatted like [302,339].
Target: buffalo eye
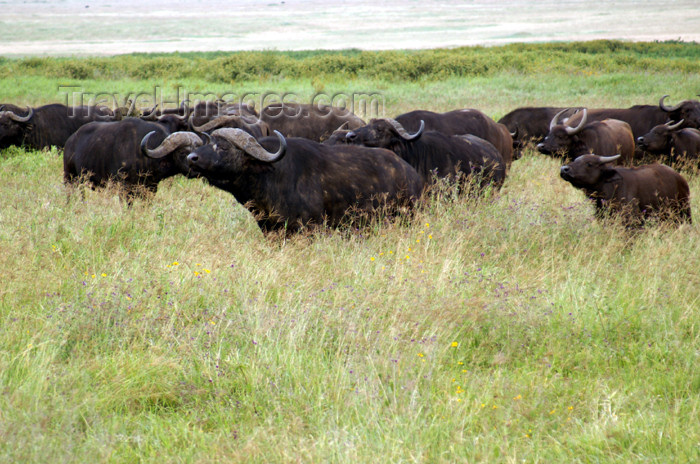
[590,165]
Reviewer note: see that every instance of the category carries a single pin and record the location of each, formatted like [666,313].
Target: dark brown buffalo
[672,141]
[47,125]
[606,138]
[531,124]
[688,111]
[289,184]
[134,153]
[650,190]
[462,122]
[434,155]
[313,122]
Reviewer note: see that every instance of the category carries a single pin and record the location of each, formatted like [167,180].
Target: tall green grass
[402,65]
[515,327]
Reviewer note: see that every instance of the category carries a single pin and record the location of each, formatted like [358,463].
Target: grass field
[511,328]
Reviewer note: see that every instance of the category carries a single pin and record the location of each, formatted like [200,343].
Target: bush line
[395,65]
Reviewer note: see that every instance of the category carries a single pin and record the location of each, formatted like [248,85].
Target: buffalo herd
[296,165]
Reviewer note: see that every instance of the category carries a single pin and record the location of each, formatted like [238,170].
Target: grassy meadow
[504,329]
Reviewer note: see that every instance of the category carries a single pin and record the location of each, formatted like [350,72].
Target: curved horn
[675,126]
[206,138]
[514,134]
[555,119]
[668,109]
[248,144]
[185,110]
[16,117]
[217,123]
[577,129]
[608,159]
[403,132]
[170,144]
[343,126]
[151,115]
[175,115]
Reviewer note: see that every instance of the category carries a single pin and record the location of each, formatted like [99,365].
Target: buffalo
[134,153]
[688,111]
[290,184]
[671,140]
[433,154]
[638,193]
[462,122]
[310,121]
[606,138]
[47,125]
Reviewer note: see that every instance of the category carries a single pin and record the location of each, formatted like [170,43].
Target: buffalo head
[561,137]
[588,170]
[13,126]
[232,151]
[659,138]
[382,133]
[687,110]
[176,146]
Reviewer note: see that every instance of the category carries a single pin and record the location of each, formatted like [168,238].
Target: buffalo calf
[651,190]
[671,140]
